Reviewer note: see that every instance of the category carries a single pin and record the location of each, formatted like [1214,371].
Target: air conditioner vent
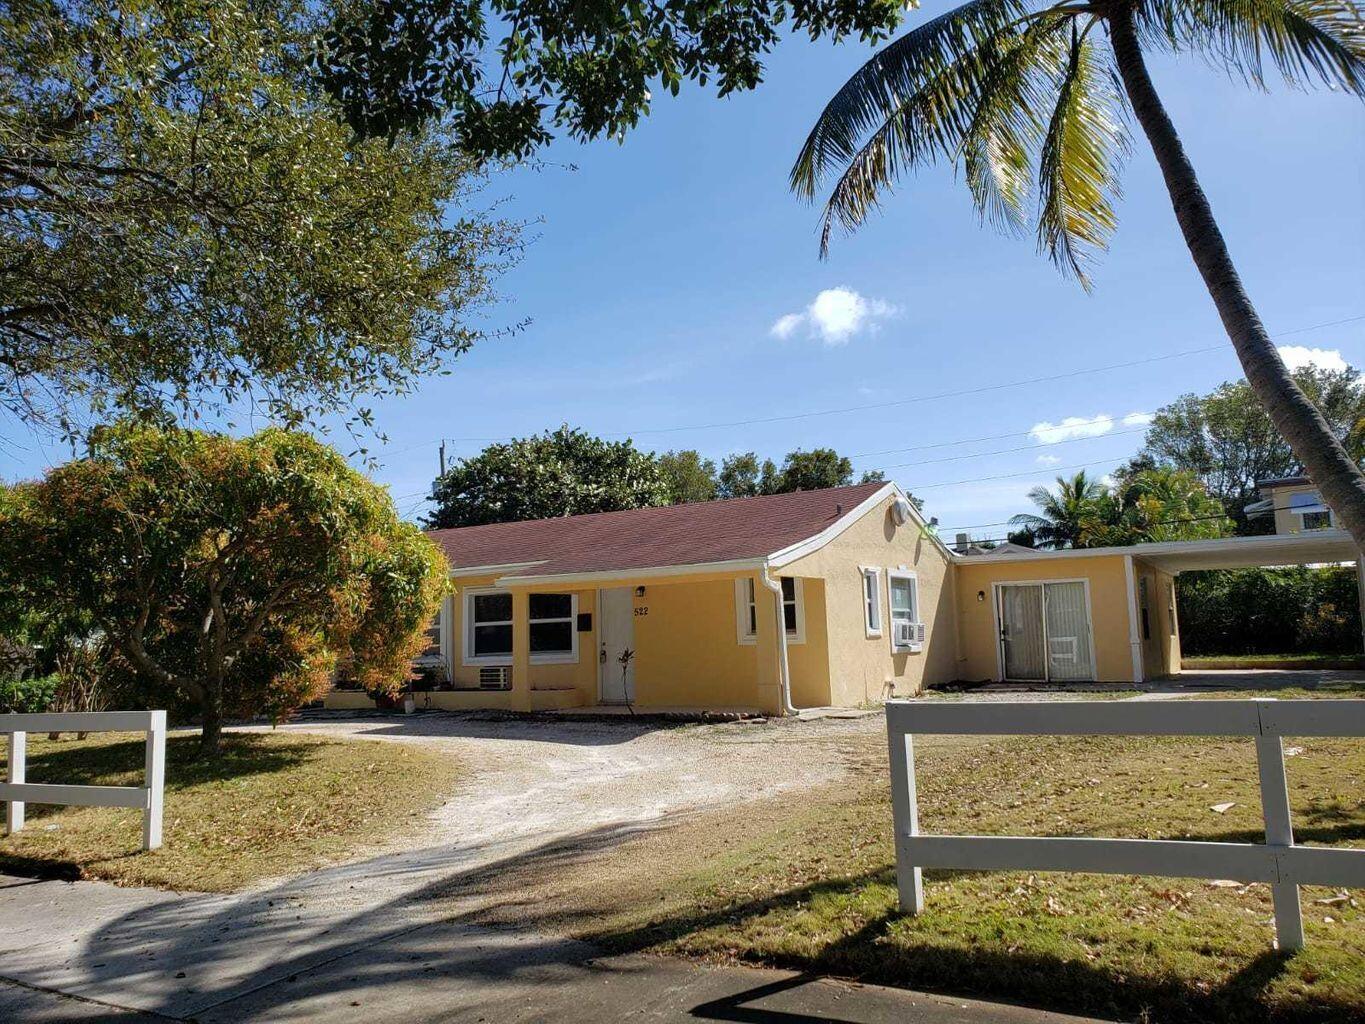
[495,677]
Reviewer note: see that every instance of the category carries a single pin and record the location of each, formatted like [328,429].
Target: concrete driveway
[390,937]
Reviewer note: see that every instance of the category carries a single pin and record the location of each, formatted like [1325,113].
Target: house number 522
[642,611]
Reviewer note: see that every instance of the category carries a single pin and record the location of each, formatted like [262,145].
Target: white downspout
[783,668]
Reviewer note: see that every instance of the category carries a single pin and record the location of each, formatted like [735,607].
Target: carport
[1103,614]
[1315,547]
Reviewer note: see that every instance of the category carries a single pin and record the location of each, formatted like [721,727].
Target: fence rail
[148,797]
[1278,861]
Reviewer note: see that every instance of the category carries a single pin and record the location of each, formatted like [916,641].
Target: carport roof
[1315,546]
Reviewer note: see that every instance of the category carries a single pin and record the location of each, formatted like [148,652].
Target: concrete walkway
[391,937]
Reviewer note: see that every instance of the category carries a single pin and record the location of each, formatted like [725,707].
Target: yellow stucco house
[835,597]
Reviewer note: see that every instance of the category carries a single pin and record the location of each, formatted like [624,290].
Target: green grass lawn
[1272,661]
[272,805]
[812,888]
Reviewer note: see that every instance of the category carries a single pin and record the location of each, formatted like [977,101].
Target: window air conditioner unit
[909,634]
[495,677]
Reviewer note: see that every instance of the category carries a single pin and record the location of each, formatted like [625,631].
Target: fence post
[905,816]
[16,772]
[1279,831]
[156,780]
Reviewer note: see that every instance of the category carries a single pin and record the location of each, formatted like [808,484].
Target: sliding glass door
[1045,632]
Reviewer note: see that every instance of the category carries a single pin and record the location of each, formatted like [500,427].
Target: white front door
[616,633]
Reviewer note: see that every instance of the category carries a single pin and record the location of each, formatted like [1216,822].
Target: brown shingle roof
[710,531]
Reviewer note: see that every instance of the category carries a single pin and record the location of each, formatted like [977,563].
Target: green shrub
[27,696]
[1296,610]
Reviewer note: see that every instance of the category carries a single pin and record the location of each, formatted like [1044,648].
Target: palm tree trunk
[1295,417]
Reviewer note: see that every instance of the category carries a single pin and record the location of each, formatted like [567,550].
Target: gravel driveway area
[548,778]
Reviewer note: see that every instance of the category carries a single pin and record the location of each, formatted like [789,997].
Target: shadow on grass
[873,954]
[78,763]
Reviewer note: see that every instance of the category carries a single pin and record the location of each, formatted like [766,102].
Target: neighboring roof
[1309,548]
[1007,548]
[1283,481]
[698,534]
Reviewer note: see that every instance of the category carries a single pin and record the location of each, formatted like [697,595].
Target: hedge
[1297,610]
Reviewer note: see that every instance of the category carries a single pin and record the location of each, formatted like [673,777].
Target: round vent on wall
[900,511]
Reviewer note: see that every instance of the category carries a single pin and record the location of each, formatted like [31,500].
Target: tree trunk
[212,713]
[1295,417]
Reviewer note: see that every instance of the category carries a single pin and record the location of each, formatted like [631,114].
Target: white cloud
[1072,427]
[1049,460]
[1298,356]
[1138,419]
[835,316]
[785,326]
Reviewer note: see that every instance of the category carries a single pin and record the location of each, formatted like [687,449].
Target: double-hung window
[793,610]
[872,601]
[902,591]
[487,627]
[554,637]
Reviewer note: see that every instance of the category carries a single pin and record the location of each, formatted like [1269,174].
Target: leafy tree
[508,71]
[1149,505]
[561,473]
[229,573]
[1228,441]
[1032,105]
[810,471]
[1155,505]
[875,476]
[743,476]
[690,477]
[185,222]
[1294,610]
[1063,514]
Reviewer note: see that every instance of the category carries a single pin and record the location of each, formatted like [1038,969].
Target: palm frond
[1078,167]
[1306,40]
[1005,129]
[902,69]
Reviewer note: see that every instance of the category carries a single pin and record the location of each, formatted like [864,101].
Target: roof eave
[627,575]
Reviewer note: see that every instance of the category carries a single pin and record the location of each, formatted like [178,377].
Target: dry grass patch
[272,805]
[806,883]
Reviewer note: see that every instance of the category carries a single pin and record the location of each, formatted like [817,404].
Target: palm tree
[1066,515]
[1018,91]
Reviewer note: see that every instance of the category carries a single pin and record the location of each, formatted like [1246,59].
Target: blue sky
[661,268]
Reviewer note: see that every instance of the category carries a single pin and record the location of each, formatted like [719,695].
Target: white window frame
[467,657]
[902,573]
[569,657]
[1303,520]
[872,600]
[746,593]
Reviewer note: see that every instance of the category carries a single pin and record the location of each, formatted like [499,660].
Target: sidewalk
[87,952]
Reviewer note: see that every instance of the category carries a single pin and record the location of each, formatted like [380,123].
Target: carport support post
[905,818]
[14,809]
[1134,636]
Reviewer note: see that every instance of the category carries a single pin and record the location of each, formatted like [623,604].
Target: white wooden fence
[147,797]
[1277,861]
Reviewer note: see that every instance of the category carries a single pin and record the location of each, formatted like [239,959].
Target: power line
[1011,451]
[1157,522]
[938,396]
[916,488]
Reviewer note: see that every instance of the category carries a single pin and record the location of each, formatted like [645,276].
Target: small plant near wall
[624,659]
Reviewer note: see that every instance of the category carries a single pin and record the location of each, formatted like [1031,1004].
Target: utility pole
[443,458]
